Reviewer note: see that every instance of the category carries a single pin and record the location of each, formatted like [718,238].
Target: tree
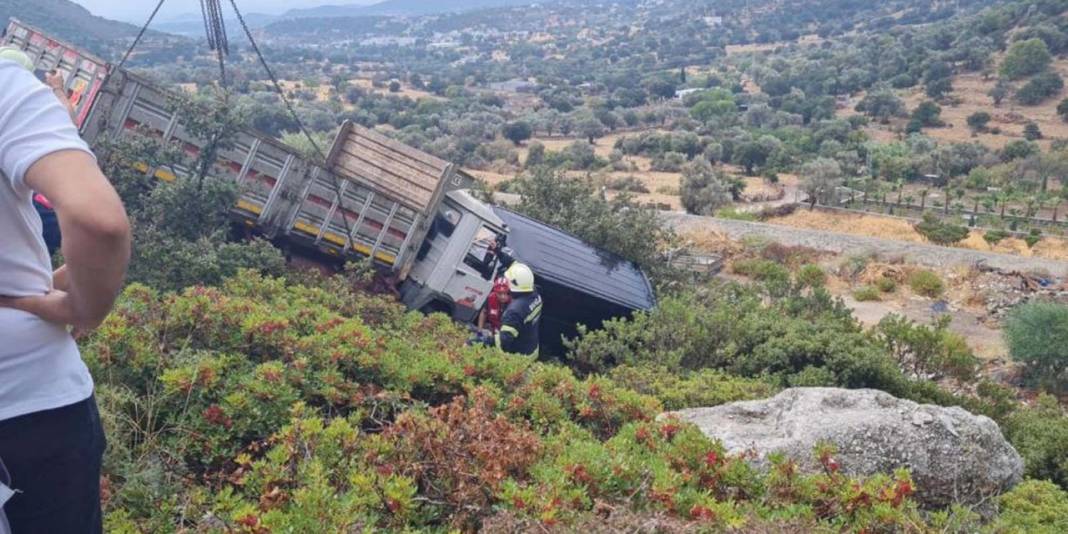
[1025,58]
[1018,149]
[927,115]
[517,132]
[618,225]
[938,88]
[1062,109]
[1031,132]
[881,104]
[590,128]
[535,155]
[394,86]
[1040,87]
[1037,336]
[1000,91]
[819,178]
[751,154]
[181,227]
[978,121]
[704,190]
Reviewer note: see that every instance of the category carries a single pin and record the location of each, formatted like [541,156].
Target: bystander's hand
[58,84]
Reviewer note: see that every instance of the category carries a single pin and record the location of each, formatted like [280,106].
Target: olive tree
[819,178]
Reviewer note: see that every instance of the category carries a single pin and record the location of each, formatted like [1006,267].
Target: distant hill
[193,25]
[403,7]
[68,21]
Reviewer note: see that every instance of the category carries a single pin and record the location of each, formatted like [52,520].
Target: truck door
[472,277]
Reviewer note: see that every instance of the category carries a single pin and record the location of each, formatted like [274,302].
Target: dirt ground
[406,90]
[969,96]
[985,341]
[902,230]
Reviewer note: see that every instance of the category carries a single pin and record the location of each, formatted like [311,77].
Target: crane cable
[300,124]
[215,33]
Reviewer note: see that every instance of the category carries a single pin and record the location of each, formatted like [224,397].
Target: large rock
[954,456]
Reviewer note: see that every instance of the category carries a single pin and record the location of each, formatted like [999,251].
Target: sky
[138,10]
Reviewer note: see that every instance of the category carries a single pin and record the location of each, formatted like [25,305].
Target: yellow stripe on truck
[249,207]
[306,228]
[383,256]
[162,174]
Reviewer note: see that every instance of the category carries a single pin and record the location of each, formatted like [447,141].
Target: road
[918,253]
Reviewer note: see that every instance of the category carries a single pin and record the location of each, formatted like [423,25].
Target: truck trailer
[374,199]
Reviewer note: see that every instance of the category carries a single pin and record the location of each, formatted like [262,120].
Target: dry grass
[866,225]
[901,230]
[405,90]
[970,91]
[804,40]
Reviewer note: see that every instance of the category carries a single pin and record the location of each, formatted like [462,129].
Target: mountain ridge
[402,7]
[68,21]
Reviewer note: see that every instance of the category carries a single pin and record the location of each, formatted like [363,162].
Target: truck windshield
[481,256]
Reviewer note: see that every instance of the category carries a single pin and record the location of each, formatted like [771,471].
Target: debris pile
[1004,290]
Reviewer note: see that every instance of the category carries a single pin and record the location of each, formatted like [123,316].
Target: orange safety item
[497,302]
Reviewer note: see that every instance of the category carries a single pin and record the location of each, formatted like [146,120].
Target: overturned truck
[408,212]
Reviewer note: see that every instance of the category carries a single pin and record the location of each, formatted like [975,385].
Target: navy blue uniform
[520,324]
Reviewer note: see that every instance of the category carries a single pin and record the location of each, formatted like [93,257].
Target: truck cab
[454,268]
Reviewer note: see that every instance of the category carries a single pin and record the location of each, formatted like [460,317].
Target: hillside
[68,21]
[403,7]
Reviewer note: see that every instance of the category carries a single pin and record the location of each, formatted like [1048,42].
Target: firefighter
[522,318]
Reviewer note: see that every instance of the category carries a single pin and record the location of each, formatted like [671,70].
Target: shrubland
[263,406]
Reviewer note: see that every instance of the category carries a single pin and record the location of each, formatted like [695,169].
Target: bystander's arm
[96,240]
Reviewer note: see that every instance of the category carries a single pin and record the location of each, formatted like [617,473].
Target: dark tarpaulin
[579,283]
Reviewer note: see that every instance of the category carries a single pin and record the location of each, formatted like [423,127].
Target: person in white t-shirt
[51,440]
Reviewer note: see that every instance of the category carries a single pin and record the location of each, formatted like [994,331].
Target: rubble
[1004,290]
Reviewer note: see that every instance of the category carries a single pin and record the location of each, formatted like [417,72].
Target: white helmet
[520,278]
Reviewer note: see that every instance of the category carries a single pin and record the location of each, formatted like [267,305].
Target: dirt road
[919,253]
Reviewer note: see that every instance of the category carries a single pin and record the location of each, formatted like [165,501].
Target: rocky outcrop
[953,455]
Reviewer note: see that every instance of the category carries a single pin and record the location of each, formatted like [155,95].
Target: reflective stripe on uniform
[504,328]
[534,314]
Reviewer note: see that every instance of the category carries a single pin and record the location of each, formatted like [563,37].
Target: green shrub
[928,351]
[761,269]
[811,275]
[1033,237]
[854,265]
[733,328]
[262,406]
[692,389]
[940,232]
[1040,435]
[1039,88]
[629,183]
[1033,507]
[886,284]
[1037,335]
[926,283]
[995,235]
[866,294]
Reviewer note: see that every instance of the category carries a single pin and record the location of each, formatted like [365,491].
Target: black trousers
[54,458]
